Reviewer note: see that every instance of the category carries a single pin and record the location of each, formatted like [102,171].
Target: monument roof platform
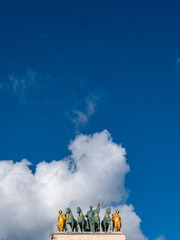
[88,236]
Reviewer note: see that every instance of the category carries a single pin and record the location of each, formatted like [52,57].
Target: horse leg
[87,225]
[79,226]
[76,226]
[104,226]
[110,225]
[66,226]
[82,229]
[72,227]
[99,225]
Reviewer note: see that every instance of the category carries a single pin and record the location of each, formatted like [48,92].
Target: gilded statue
[117,224]
[61,222]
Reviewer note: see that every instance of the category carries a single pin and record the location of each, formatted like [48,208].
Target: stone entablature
[88,236]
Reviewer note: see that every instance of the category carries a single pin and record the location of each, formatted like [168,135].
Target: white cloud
[94,172]
[162,237]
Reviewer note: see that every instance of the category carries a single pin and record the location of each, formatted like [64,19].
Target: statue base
[88,236]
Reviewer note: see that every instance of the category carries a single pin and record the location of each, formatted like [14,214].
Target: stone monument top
[88,236]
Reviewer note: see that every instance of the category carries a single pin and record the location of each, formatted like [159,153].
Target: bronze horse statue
[71,221]
[106,222]
[81,220]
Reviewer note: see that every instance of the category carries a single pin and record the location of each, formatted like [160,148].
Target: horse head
[78,210]
[68,210]
[108,210]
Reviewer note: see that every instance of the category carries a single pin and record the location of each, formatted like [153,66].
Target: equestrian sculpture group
[92,221]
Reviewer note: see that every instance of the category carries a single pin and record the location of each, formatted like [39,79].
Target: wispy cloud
[178,63]
[81,117]
[162,237]
[21,85]
[78,103]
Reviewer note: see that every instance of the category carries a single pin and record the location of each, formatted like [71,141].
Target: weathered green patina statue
[89,216]
[92,224]
[93,220]
[96,219]
[81,220]
[71,221]
[106,222]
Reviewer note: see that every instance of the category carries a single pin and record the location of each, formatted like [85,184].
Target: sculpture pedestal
[88,236]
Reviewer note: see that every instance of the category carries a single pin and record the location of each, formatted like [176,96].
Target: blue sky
[70,67]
